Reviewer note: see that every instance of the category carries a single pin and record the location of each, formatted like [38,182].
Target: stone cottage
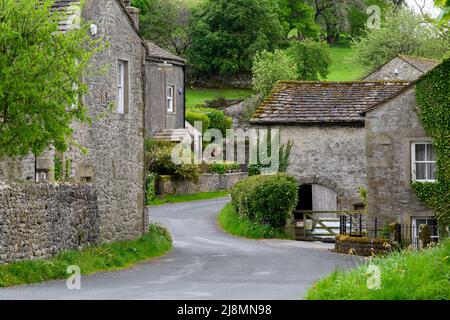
[144,85]
[402,67]
[324,122]
[398,153]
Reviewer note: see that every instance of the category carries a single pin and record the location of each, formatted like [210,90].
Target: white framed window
[170,98]
[432,225]
[423,162]
[122,87]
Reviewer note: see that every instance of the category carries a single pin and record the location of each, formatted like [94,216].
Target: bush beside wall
[266,199]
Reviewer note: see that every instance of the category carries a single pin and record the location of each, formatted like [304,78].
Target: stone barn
[323,120]
[402,67]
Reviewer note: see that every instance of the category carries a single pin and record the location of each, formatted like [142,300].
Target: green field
[198,96]
[343,67]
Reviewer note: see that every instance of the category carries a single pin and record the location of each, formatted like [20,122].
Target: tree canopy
[226,34]
[401,32]
[166,22]
[40,77]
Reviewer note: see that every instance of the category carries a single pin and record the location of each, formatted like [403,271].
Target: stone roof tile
[293,102]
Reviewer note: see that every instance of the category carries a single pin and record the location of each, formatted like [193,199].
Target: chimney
[133,12]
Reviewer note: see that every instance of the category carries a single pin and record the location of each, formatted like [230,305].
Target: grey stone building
[402,67]
[322,119]
[144,87]
[398,152]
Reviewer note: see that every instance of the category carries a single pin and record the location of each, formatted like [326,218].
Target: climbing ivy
[433,97]
[58,168]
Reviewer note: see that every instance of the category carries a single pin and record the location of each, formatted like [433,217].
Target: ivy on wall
[433,97]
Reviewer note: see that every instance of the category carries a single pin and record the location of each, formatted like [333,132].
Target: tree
[269,68]
[226,34]
[40,77]
[298,17]
[333,16]
[312,59]
[166,22]
[445,5]
[401,32]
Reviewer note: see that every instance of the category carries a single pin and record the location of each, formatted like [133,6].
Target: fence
[361,225]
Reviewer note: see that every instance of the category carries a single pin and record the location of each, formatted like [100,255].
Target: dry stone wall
[38,220]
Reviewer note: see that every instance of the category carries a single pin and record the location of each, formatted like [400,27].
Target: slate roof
[161,55]
[422,64]
[64,5]
[295,102]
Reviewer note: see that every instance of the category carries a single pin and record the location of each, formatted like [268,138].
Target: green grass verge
[232,223]
[188,197]
[406,275]
[113,256]
[199,96]
[343,67]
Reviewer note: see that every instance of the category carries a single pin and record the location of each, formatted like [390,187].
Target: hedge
[266,199]
[192,117]
[218,119]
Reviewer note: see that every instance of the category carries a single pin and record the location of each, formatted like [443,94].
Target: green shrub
[236,225]
[58,168]
[266,199]
[222,168]
[218,119]
[192,117]
[150,187]
[254,169]
[68,168]
[158,159]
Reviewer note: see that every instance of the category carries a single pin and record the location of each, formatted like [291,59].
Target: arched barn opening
[315,215]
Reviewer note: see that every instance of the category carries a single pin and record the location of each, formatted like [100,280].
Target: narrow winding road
[206,263]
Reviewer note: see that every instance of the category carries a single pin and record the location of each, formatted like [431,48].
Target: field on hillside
[199,96]
[343,67]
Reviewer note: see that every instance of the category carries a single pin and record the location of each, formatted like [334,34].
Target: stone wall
[114,143]
[361,247]
[329,155]
[391,129]
[207,183]
[38,220]
[387,72]
[114,162]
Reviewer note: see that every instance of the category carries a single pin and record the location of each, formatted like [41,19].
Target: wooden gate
[320,225]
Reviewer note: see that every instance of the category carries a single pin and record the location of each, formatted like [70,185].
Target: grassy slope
[111,256]
[189,197]
[408,275]
[198,96]
[343,67]
[231,222]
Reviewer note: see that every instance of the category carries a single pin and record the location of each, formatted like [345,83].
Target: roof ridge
[417,57]
[342,82]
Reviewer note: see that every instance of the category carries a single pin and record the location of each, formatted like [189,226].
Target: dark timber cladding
[296,102]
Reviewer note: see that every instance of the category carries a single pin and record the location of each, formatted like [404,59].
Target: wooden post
[351,222]
[376,227]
